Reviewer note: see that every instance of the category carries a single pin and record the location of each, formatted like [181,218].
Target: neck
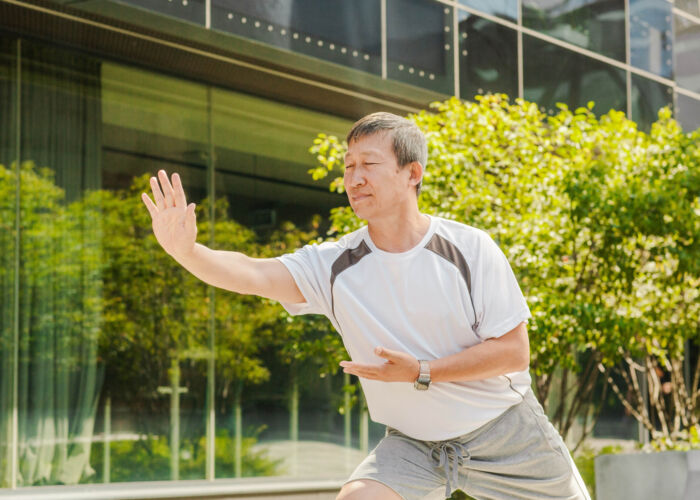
[398,232]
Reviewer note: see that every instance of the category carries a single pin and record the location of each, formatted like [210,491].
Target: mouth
[359,197]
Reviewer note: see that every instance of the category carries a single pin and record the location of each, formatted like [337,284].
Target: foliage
[140,315]
[148,459]
[600,223]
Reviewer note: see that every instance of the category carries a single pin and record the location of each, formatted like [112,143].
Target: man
[432,317]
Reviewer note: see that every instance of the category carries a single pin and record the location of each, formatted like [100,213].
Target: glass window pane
[648,97]
[689,6]
[686,47]
[347,33]
[8,249]
[507,9]
[189,10]
[419,40]
[280,418]
[61,311]
[651,36]
[488,57]
[688,112]
[553,74]
[155,334]
[592,24]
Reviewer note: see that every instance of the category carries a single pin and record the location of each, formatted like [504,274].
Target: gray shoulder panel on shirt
[345,260]
[449,251]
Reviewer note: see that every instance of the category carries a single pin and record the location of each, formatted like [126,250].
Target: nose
[353,177]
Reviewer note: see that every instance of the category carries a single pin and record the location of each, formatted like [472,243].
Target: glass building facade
[118,366]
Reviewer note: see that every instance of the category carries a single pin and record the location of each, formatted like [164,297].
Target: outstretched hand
[174,222]
[399,367]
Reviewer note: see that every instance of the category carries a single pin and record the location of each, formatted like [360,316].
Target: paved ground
[313,459]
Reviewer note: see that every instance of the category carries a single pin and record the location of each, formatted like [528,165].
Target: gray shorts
[517,455]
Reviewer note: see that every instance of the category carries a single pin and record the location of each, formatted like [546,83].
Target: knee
[366,489]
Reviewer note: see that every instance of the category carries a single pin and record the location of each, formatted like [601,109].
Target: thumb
[190,217]
[385,353]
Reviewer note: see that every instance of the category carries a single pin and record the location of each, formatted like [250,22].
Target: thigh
[522,456]
[367,489]
[402,465]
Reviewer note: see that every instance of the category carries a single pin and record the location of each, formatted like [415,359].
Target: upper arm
[273,280]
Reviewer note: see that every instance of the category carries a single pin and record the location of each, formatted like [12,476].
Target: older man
[432,317]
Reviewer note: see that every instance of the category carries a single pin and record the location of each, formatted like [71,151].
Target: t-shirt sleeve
[499,303]
[306,267]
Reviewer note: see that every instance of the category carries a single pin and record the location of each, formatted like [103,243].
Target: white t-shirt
[418,302]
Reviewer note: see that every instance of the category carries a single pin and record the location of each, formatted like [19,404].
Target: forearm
[506,354]
[223,269]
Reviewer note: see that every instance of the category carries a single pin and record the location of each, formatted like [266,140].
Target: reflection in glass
[280,415]
[648,97]
[419,44]
[686,48]
[488,57]
[592,24]
[507,9]
[8,250]
[650,36]
[687,112]
[156,386]
[188,10]
[553,74]
[689,6]
[347,33]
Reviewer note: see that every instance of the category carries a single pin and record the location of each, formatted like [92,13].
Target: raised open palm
[174,222]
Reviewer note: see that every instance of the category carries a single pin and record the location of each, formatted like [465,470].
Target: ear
[416,173]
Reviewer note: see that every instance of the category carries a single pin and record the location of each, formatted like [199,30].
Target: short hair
[408,141]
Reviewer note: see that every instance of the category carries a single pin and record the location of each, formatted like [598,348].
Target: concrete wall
[647,476]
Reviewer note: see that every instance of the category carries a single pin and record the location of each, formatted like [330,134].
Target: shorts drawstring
[450,454]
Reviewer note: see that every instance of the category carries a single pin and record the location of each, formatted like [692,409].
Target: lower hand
[399,367]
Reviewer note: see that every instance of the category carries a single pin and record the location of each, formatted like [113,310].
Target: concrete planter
[667,475]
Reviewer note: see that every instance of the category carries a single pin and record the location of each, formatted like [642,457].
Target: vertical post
[175,420]
[347,417]
[294,407]
[643,386]
[384,38]
[14,458]
[521,79]
[106,462]
[174,390]
[364,426]
[238,423]
[455,50]
[294,420]
[628,58]
[211,360]
[207,14]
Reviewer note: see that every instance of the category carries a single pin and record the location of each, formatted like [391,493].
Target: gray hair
[409,143]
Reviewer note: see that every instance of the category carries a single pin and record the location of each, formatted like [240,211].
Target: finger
[167,189]
[362,374]
[157,194]
[179,192]
[190,217]
[152,209]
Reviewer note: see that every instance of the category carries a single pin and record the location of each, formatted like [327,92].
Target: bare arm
[497,356]
[175,228]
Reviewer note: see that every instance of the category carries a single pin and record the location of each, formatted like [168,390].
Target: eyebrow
[365,153]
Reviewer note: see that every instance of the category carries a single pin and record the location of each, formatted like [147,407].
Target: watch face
[421,386]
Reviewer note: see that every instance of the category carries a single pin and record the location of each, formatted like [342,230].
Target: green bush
[148,459]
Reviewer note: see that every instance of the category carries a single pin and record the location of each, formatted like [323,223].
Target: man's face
[375,184]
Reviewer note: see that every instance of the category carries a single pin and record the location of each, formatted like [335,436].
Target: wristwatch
[423,381]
